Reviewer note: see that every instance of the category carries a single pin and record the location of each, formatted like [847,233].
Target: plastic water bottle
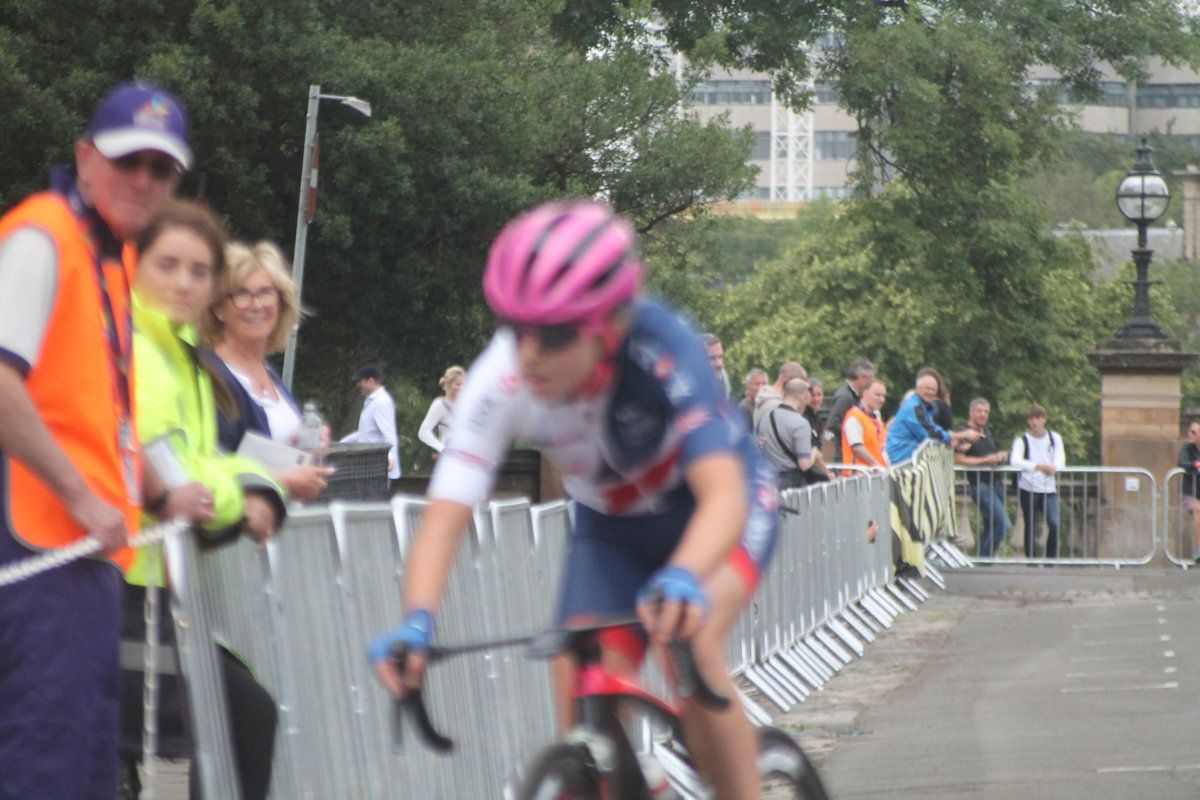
[311,426]
[656,778]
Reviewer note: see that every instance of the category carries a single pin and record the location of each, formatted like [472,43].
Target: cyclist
[672,498]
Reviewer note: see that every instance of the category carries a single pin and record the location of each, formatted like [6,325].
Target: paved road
[1035,683]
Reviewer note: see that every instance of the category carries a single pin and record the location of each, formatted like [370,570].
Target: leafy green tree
[479,112]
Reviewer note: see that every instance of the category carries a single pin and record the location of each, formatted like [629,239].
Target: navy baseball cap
[140,116]
[369,372]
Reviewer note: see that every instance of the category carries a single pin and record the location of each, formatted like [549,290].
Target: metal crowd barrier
[1178,521]
[1107,515]
[301,610]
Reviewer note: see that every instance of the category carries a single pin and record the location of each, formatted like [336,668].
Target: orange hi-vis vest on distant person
[874,436]
[74,385]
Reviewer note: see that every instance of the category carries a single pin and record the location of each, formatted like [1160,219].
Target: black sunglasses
[161,167]
[548,337]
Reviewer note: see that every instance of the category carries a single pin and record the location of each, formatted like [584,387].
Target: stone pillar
[1190,180]
[1139,425]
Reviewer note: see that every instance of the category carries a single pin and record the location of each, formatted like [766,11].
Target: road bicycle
[597,760]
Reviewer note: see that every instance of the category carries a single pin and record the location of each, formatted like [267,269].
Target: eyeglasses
[267,297]
[549,337]
[161,167]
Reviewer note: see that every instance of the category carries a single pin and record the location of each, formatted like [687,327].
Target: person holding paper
[255,306]
[181,257]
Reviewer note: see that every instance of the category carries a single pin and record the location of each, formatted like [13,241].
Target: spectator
[716,358]
[942,414]
[863,433]
[180,260]
[436,424]
[253,310]
[377,420]
[987,489]
[786,436]
[914,423]
[67,445]
[1189,461]
[812,410]
[858,376]
[771,396]
[755,380]
[1040,454]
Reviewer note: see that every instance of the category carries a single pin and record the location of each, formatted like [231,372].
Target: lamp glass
[1143,198]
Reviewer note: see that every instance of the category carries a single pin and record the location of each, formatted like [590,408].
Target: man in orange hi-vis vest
[69,461]
[863,432]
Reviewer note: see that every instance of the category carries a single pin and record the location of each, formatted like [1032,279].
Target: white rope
[150,693]
[23,570]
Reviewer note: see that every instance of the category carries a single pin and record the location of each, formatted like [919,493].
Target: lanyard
[117,333]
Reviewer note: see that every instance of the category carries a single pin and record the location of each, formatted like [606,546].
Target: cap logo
[154,113]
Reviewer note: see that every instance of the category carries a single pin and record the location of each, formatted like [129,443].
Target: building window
[825,93]
[757,193]
[732,93]
[830,192]
[1169,95]
[835,145]
[1113,94]
[762,146]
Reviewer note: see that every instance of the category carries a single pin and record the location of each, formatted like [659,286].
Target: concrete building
[807,156]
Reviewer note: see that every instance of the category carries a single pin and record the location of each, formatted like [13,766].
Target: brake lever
[690,682]
[413,704]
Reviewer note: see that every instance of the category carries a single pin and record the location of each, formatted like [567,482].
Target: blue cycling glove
[416,634]
[675,585]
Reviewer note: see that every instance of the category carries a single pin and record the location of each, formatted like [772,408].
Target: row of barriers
[1099,515]
[301,610]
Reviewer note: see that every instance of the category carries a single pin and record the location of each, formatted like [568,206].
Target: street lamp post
[302,219]
[1142,198]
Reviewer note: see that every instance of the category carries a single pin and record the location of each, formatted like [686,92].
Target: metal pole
[310,133]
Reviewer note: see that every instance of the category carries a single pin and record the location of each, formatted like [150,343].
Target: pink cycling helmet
[565,262]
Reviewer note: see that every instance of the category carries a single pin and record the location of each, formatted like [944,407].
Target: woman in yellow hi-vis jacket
[180,258]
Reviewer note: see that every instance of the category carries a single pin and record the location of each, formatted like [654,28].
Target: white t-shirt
[1048,449]
[28,285]
[282,417]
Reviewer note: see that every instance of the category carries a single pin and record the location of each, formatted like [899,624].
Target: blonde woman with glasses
[253,310]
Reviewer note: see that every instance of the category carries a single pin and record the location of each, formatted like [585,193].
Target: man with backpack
[1040,454]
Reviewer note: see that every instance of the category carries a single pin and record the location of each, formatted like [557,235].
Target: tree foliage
[479,112]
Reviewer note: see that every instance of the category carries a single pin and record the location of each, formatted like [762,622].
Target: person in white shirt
[377,422]
[1040,454]
[437,420]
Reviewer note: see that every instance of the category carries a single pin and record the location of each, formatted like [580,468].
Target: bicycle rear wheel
[785,770]
[561,772]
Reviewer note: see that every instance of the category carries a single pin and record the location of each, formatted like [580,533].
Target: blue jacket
[251,416]
[912,425]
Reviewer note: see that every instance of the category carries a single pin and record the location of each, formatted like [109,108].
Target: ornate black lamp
[1142,198]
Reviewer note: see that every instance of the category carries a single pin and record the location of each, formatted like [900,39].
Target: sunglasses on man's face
[161,167]
[548,337]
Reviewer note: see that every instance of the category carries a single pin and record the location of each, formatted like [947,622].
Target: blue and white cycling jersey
[622,453]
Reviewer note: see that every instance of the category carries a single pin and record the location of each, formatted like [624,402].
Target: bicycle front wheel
[561,772]
[785,770]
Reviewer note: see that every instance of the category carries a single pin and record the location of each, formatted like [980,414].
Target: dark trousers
[253,716]
[58,680]
[1035,505]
